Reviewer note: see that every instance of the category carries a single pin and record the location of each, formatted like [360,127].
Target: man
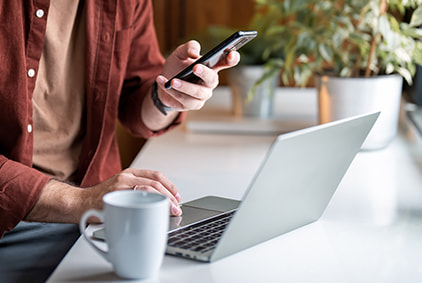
[69,70]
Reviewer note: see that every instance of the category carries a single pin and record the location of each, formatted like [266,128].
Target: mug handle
[82,228]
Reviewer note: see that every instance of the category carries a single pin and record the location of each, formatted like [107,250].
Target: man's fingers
[190,49]
[231,60]
[156,181]
[154,187]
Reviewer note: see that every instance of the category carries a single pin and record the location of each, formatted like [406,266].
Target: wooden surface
[179,20]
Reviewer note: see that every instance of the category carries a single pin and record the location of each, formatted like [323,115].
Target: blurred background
[179,20]
[302,44]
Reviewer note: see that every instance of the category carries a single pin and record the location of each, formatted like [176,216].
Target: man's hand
[143,180]
[61,202]
[185,95]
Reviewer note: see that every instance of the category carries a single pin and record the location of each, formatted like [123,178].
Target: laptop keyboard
[200,237]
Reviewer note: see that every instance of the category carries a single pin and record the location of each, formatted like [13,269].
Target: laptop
[292,188]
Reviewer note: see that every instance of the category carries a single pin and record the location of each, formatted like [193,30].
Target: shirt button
[31,73]
[106,36]
[29,128]
[39,13]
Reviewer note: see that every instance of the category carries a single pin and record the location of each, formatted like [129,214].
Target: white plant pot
[345,97]
[241,80]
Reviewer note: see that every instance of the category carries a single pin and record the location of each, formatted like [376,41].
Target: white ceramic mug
[136,225]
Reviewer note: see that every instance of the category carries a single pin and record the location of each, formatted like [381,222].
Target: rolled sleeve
[20,188]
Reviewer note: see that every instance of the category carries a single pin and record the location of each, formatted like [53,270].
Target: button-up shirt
[122,59]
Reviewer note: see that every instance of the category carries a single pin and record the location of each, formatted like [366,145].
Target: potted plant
[351,45]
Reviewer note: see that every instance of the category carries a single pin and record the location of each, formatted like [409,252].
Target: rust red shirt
[122,59]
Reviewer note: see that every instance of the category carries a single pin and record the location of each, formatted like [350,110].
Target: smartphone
[218,53]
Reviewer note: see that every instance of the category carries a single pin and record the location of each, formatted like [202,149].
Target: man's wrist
[156,100]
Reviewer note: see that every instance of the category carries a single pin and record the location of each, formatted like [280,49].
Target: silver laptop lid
[295,182]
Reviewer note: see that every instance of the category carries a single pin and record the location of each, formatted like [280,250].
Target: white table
[370,232]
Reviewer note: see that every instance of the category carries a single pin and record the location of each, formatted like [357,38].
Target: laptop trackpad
[201,209]
[190,215]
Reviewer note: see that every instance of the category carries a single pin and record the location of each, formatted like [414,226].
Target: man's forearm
[57,203]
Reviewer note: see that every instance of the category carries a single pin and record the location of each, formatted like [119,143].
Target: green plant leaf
[406,75]
[416,19]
